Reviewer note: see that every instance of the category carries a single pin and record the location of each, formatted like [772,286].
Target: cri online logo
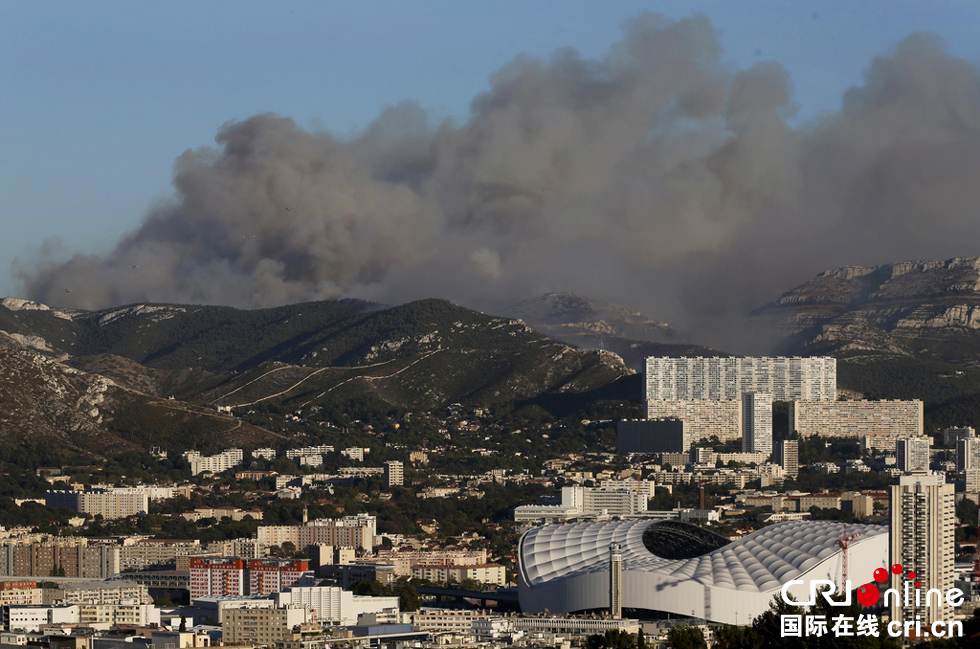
[868,594]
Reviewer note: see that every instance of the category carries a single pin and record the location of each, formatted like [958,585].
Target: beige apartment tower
[923,520]
[394,474]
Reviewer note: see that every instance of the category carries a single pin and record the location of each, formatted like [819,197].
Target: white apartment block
[967,453]
[294,453]
[614,502]
[228,459]
[20,593]
[30,618]
[351,531]
[141,615]
[757,422]
[702,418]
[334,606]
[923,519]
[879,423]
[972,481]
[912,453]
[446,620]
[115,592]
[394,474]
[261,626]
[264,453]
[117,503]
[787,455]
[727,378]
[490,573]
[355,453]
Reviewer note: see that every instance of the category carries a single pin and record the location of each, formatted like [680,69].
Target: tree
[288,548]
[686,637]
[183,624]
[613,639]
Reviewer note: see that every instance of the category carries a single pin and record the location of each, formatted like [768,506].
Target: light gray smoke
[654,176]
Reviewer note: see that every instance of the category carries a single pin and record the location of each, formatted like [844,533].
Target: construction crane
[842,543]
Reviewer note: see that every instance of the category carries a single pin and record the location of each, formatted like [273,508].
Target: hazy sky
[98,99]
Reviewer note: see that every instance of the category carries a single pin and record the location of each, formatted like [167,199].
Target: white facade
[614,502]
[787,454]
[757,422]
[727,378]
[335,606]
[394,474]
[30,618]
[967,453]
[294,453]
[264,453]
[912,454]
[228,459]
[565,568]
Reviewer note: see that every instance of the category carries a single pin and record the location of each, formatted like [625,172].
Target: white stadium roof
[565,568]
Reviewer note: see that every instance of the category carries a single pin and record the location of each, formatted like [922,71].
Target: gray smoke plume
[655,176]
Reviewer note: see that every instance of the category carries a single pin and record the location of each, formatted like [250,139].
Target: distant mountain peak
[929,308]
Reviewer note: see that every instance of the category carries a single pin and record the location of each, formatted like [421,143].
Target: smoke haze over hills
[655,176]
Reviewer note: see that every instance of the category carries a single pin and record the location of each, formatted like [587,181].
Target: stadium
[671,568]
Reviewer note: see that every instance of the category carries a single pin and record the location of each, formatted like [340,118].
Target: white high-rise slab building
[923,520]
[757,423]
[727,378]
[967,453]
[912,453]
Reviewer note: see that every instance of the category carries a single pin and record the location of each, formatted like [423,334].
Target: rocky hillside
[45,402]
[924,309]
[594,324]
[154,374]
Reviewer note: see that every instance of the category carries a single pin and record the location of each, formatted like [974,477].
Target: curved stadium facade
[675,568]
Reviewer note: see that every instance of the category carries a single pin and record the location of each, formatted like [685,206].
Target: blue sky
[99,98]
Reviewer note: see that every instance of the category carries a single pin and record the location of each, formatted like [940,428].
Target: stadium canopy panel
[681,569]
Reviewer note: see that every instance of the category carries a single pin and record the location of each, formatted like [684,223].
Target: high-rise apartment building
[351,531]
[972,481]
[967,453]
[61,557]
[757,422]
[727,378]
[953,434]
[216,577]
[108,503]
[923,519]
[394,474]
[702,418]
[262,626]
[880,424]
[267,576]
[787,455]
[223,461]
[912,453]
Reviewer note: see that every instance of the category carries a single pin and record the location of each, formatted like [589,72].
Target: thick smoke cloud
[656,176]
